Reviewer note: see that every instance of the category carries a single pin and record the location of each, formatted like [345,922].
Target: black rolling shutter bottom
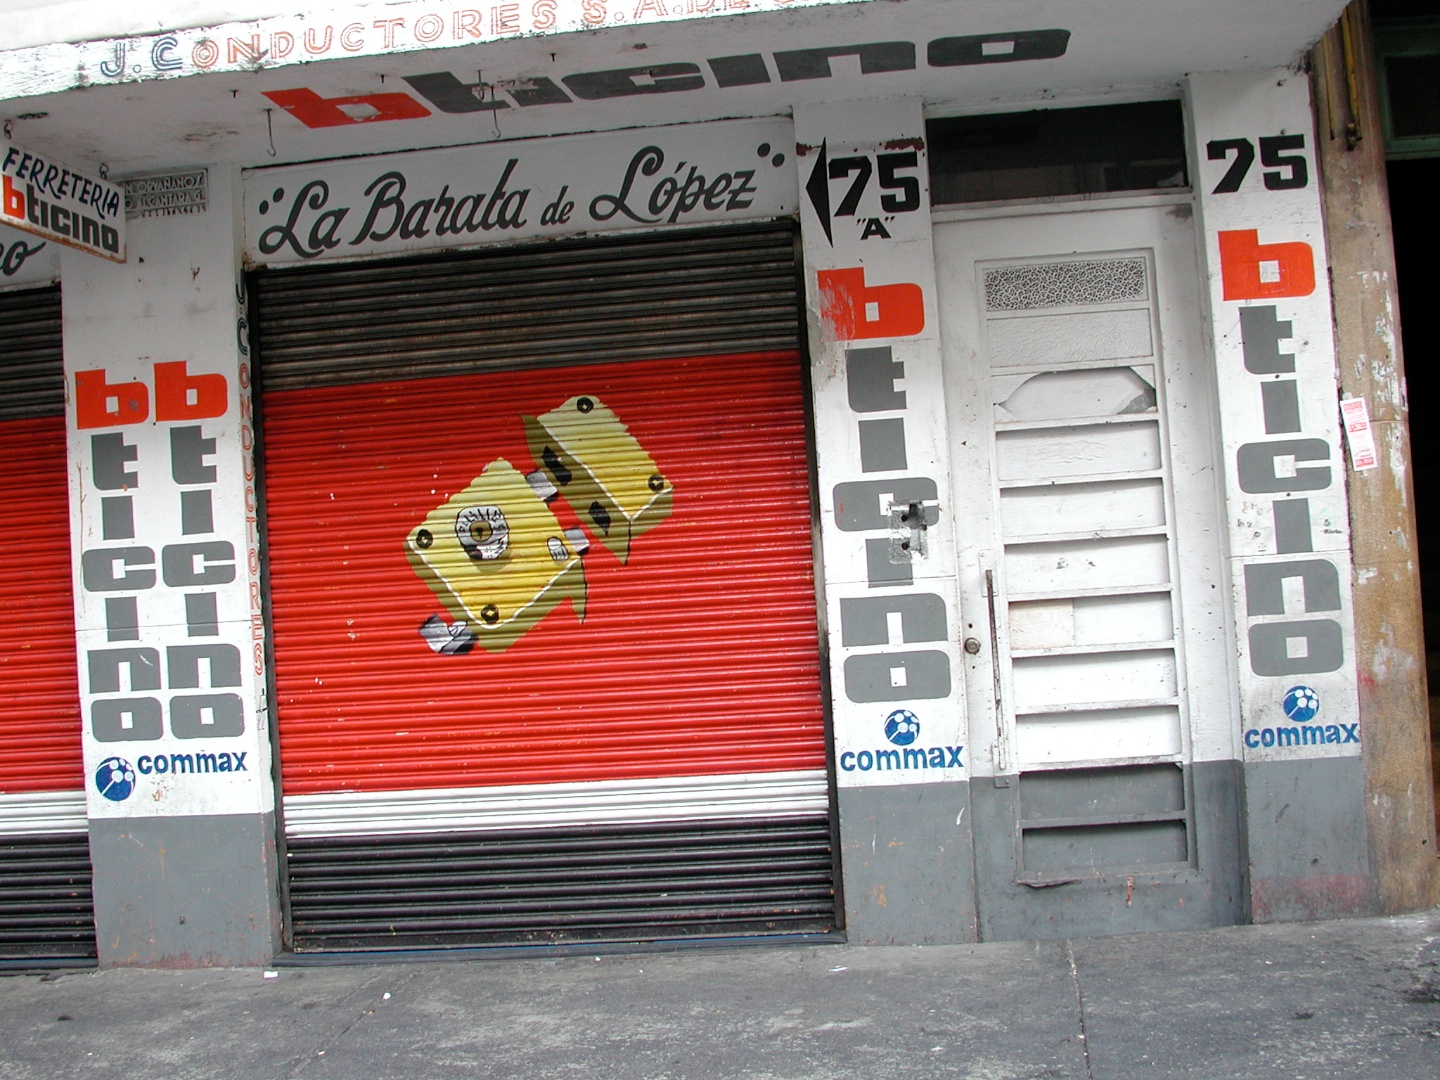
[561,886]
[45,902]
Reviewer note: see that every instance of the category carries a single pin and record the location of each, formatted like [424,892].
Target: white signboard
[348,31]
[166,600]
[886,508]
[1284,465]
[505,192]
[55,201]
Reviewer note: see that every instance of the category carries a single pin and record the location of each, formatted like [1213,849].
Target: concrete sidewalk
[1355,999]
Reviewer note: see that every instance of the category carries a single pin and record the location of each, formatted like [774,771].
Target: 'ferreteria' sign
[51,199]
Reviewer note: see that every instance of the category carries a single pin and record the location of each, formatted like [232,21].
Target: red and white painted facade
[377,131]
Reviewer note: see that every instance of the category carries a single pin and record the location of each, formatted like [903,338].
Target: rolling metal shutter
[538,529]
[45,900]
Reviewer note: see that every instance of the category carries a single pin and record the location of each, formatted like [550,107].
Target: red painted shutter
[696,655]
[653,770]
[390,390]
[46,915]
[40,717]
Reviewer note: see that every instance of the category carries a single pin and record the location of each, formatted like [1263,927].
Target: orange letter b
[855,311]
[181,396]
[93,395]
[1250,270]
[314,111]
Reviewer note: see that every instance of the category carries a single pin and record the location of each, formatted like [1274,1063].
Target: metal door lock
[972,646]
[909,524]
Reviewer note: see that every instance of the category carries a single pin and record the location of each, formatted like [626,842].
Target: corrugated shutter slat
[31,378]
[564,885]
[45,900]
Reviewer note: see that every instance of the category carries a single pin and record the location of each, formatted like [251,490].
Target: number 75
[1288,171]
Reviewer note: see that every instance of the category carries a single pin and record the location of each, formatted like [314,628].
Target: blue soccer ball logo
[115,779]
[1301,704]
[902,727]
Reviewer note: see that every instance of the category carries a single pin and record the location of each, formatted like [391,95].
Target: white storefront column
[169,632]
[887,521]
[1263,247]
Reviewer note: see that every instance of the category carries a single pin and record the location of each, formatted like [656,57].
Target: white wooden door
[1091,571]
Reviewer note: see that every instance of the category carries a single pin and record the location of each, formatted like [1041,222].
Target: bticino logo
[25,204]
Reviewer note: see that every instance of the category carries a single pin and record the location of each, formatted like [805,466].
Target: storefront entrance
[1092,573]
[542,593]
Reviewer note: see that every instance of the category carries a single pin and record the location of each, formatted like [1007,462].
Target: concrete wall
[1286,472]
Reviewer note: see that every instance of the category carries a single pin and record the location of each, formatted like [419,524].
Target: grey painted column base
[906,860]
[186,891]
[1307,840]
[909,868]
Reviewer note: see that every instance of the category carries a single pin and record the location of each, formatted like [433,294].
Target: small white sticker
[1358,433]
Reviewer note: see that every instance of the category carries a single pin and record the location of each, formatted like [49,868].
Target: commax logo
[115,779]
[1301,704]
[902,728]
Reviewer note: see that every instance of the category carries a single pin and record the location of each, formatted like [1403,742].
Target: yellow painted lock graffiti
[495,553]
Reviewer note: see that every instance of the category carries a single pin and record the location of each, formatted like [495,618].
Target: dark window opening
[1414,85]
[1412,185]
[1056,152]
[1407,50]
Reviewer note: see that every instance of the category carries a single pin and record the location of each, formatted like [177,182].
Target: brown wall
[1394,708]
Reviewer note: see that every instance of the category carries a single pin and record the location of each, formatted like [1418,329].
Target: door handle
[1001,755]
